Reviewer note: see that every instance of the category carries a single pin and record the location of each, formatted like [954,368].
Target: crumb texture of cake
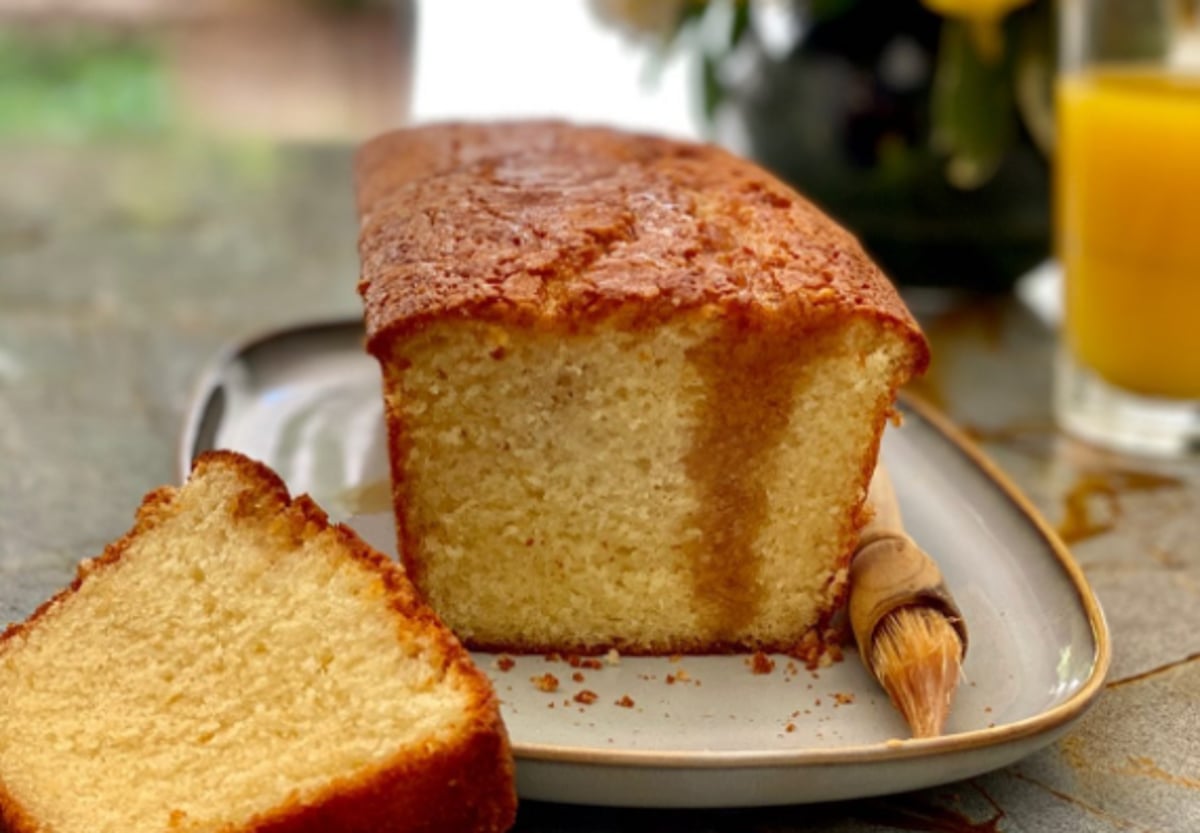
[635,387]
[236,663]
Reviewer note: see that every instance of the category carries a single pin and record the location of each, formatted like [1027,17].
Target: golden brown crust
[13,818]
[466,786]
[547,224]
[398,449]
[393,159]
[439,791]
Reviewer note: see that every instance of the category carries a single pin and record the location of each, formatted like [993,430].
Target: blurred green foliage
[80,85]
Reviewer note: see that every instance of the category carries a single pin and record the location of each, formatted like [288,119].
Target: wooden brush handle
[889,571]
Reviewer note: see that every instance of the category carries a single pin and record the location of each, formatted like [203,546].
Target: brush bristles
[917,658]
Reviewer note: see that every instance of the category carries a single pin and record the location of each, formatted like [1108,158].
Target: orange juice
[1128,234]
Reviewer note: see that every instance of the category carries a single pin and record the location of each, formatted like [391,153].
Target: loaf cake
[236,663]
[634,387]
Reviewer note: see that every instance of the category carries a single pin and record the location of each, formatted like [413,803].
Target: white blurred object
[535,58]
[1040,289]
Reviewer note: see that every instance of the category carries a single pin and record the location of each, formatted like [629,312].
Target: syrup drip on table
[1079,523]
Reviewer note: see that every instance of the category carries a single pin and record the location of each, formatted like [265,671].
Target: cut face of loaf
[635,387]
[235,663]
[694,487]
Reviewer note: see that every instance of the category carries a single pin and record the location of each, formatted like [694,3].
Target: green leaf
[1034,72]
[829,9]
[713,91]
[740,23]
[974,120]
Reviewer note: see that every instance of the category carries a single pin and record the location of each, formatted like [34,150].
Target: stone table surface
[124,268]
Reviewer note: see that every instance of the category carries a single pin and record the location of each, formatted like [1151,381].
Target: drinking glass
[1127,183]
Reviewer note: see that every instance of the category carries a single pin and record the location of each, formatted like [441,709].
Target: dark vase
[845,116]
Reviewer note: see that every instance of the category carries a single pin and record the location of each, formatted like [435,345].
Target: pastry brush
[909,630]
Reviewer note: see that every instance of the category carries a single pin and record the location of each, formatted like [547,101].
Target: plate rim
[1045,722]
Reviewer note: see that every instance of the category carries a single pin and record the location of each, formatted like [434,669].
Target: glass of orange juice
[1127,214]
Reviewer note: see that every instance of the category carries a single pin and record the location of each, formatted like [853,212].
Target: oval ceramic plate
[709,731]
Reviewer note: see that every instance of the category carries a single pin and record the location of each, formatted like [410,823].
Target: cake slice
[634,387]
[236,663]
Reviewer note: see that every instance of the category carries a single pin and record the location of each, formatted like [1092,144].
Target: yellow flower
[975,9]
[982,19]
[641,18]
